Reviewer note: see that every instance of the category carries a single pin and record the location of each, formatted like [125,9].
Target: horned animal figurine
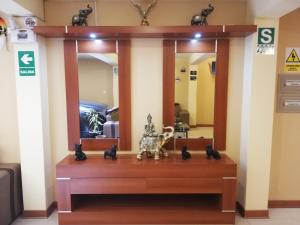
[201,19]
[81,18]
[144,13]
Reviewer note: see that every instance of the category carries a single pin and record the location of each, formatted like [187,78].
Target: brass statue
[144,13]
[153,143]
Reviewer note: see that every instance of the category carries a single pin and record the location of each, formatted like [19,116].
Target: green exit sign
[26,63]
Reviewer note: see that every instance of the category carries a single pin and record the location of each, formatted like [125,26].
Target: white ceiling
[109,58]
[272,8]
[9,7]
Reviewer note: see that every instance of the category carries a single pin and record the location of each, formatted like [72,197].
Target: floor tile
[277,217]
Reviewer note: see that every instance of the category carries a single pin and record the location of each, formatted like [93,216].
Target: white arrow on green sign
[26,63]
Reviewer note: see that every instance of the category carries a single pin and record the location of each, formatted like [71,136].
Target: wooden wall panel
[193,143]
[221,83]
[221,47]
[72,93]
[98,144]
[100,46]
[168,82]
[203,46]
[124,93]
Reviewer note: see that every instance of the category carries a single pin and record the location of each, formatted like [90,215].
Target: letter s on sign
[266,36]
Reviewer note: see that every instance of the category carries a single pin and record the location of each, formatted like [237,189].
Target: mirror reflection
[98,95]
[194,95]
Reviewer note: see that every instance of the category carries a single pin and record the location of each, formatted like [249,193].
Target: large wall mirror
[98,93]
[194,95]
[195,92]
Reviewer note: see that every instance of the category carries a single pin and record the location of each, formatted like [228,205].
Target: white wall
[33,123]
[9,136]
[257,127]
[146,86]
[95,81]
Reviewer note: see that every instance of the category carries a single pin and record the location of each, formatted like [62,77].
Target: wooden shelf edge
[127,32]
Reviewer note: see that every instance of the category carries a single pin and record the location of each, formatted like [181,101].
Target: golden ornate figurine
[149,128]
[144,13]
[153,143]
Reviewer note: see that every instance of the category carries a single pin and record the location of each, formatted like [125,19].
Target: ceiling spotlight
[198,35]
[92,35]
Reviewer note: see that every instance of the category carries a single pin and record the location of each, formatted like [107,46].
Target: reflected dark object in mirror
[193,78]
[201,19]
[213,67]
[102,111]
[79,154]
[210,152]
[80,18]
[184,153]
[111,153]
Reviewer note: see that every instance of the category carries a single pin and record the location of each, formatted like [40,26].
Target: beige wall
[181,86]
[9,141]
[95,81]
[285,166]
[285,154]
[34,6]
[234,105]
[206,93]
[166,12]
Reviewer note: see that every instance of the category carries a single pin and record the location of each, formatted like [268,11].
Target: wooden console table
[128,191]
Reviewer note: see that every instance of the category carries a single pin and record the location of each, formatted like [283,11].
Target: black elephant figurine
[80,19]
[79,154]
[111,153]
[201,19]
[184,153]
[210,152]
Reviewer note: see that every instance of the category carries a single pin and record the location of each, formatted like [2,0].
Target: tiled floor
[277,217]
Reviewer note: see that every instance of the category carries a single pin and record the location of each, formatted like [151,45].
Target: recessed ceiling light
[92,35]
[198,35]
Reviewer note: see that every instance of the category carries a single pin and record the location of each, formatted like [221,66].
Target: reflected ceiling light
[92,35]
[198,35]
[194,40]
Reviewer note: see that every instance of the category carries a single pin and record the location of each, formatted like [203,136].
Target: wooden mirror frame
[221,48]
[122,48]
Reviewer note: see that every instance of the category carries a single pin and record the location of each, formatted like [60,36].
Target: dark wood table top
[128,166]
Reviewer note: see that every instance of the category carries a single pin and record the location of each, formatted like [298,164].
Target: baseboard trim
[253,214]
[40,213]
[284,203]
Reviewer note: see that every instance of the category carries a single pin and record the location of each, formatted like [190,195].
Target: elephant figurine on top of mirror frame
[201,19]
[80,19]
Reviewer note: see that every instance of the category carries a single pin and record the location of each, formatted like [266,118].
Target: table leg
[63,195]
[229,194]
